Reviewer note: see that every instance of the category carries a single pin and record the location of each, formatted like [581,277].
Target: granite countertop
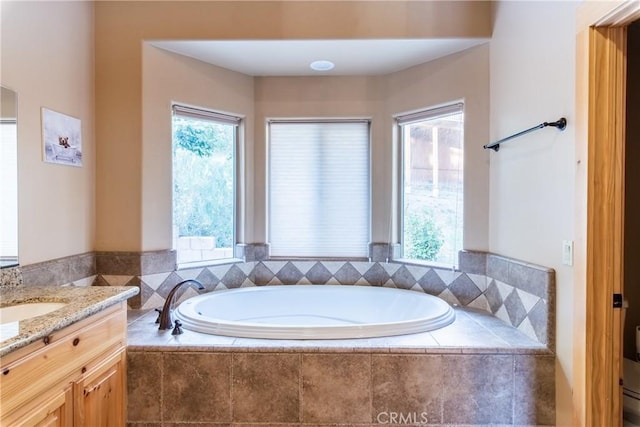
[81,302]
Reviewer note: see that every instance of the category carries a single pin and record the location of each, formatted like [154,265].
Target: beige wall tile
[336,388]
[266,387]
[478,389]
[534,376]
[144,373]
[196,387]
[408,385]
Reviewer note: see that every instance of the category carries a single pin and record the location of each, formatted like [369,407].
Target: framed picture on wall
[61,138]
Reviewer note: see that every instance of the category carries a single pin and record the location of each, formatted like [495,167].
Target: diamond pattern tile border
[521,299]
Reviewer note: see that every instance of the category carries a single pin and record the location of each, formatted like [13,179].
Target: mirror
[8,178]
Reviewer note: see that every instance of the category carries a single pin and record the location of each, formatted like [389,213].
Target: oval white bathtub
[314,312]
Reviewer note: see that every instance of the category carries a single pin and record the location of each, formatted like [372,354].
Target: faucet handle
[159,314]
[177,330]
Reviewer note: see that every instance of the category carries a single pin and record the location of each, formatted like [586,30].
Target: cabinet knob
[76,342]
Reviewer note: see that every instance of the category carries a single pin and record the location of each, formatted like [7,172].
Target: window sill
[209,263]
[425,263]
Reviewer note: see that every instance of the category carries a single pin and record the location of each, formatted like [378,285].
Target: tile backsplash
[519,293]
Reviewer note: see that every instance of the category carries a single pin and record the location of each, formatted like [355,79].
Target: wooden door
[100,394]
[52,410]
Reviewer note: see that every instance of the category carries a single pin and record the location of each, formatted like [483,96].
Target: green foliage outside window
[422,237]
[203,179]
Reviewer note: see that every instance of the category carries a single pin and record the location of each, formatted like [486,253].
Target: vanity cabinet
[99,394]
[55,410]
[74,377]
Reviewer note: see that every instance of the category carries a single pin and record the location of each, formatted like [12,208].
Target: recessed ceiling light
[322,65]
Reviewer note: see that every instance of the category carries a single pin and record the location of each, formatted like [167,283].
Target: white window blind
[319,188]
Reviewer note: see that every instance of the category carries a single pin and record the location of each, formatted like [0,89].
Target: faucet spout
[165,315]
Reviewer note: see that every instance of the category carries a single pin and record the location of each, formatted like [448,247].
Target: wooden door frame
[605,222]
[601,71]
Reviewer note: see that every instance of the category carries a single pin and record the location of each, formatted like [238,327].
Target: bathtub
[314,312]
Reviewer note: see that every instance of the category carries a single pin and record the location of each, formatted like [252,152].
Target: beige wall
[121,28]
[47,58]
[533,177]
[8,104]
[169,78]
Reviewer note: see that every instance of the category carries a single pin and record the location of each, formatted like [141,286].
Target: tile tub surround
[477,371]
[520,294]
[523,295]
[126,269]
[135,263]
[83,269]
[75,269]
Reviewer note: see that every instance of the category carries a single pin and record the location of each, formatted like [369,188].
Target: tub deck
[473,331]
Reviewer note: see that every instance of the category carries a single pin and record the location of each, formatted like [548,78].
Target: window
[204,150]
[9,191]
[432,184]
[319,188]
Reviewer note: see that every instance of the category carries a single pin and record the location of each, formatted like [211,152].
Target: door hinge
[617,300]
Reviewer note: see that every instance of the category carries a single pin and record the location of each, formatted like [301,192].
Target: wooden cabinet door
[53,410]
[100,394]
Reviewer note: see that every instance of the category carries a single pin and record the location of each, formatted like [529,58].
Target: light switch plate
[567,252]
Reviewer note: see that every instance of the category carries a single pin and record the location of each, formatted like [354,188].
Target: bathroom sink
[15,313]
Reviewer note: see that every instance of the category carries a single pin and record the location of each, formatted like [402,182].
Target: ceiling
[292,57]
